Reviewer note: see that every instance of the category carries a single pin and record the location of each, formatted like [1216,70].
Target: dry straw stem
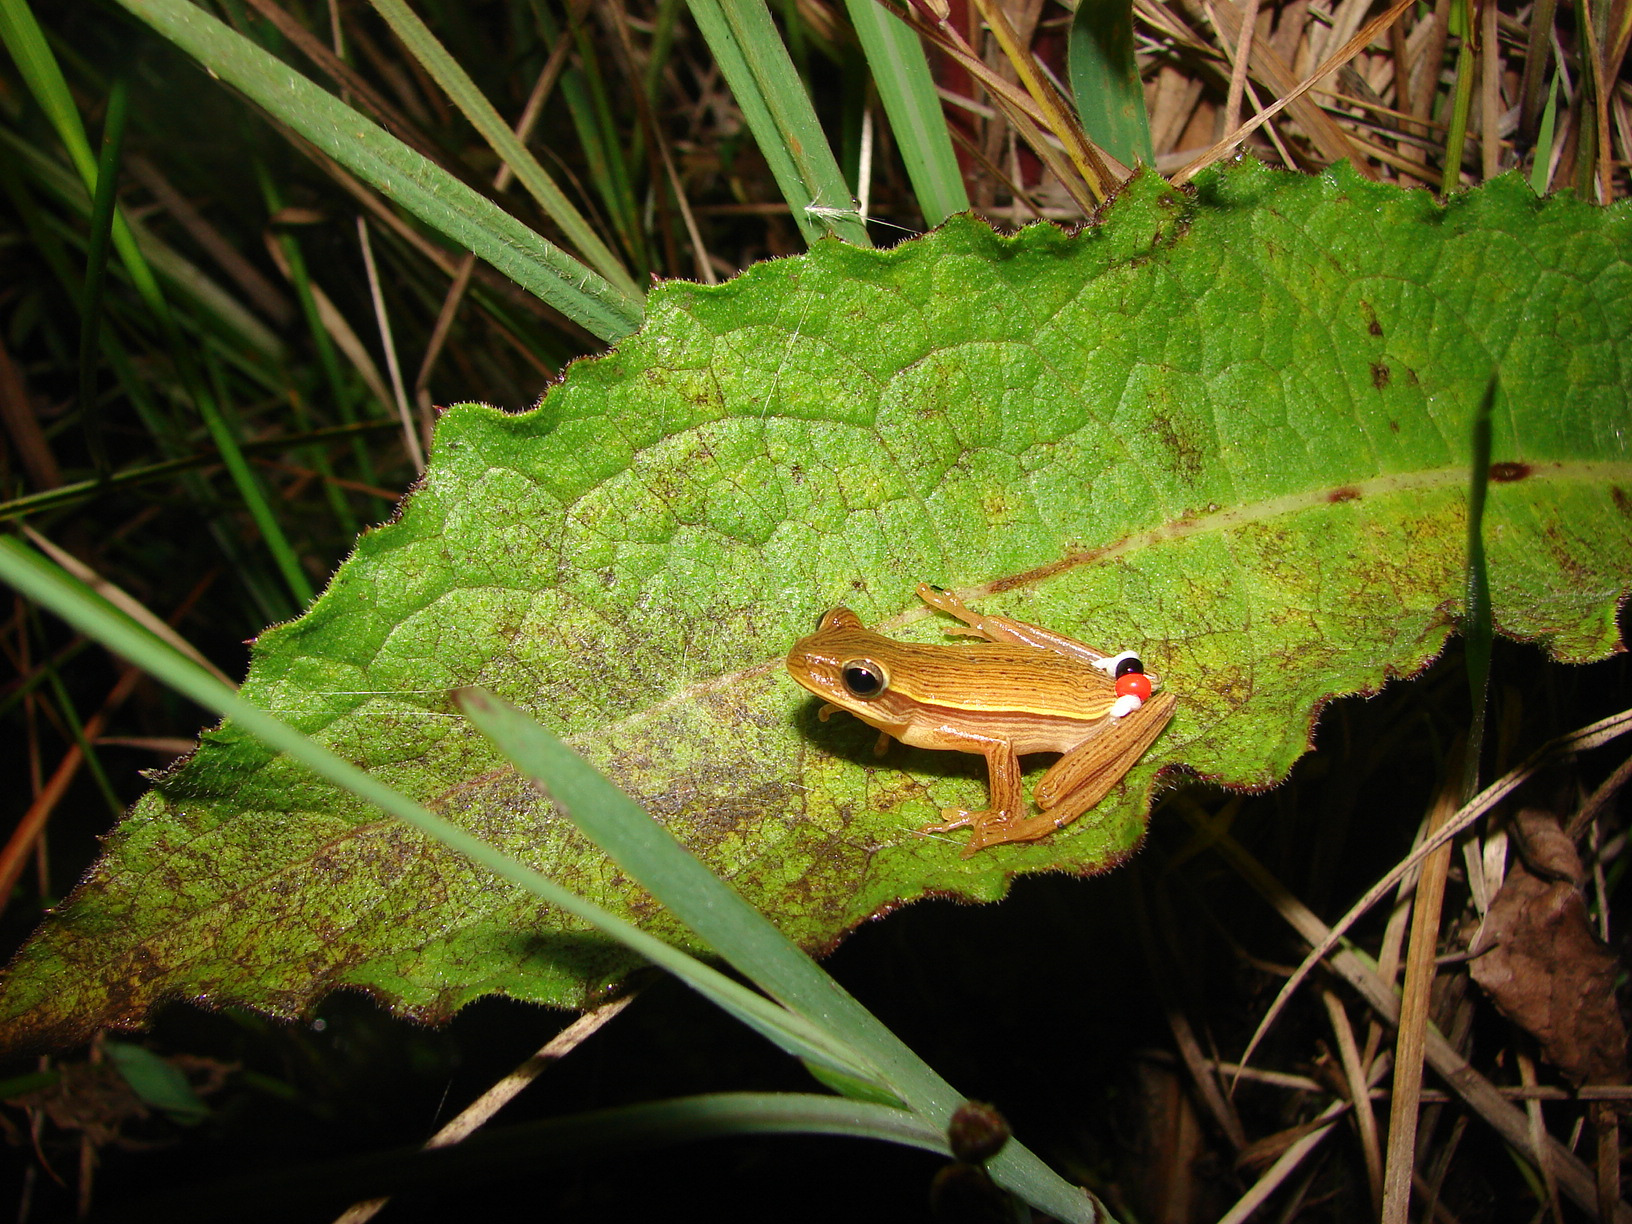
[455,296]
[480,1111]
[1413,1026]
[388,345]
[1030,118]
[1303,1141]
[1329,139]
[1354,1074]
[1344,54]
[31,826]
[25,835]
[1057,115]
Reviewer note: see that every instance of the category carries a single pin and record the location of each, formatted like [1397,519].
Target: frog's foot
[992,827]
[996,832]
[956,818]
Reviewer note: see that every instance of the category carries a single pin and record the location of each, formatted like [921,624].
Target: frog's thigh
[1085,775]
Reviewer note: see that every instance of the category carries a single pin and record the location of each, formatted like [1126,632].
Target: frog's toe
[954,818]
[988,833]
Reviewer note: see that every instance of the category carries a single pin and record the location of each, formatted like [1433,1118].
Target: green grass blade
[1105,80]
[599,134]
[757,67]
[75,726]
[417,185]
[1541,166]
[224,433]
[1478,626]
[1461,98]
[26,42]
[470,100]
[619,147]
[50,587]
[148,473]
[896,58]
[547,1144]
[96,268]
[745,937]
[23,37]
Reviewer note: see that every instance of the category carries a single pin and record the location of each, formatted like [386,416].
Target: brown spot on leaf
[1372,326]
[1507,473]
[1381,375]
[1345,494]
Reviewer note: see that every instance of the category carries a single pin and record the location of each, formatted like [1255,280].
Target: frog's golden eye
[864,678]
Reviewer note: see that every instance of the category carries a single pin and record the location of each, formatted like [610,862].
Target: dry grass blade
[1538,1128]
[1204,1075]
[1019,107]
[266,296]
[22,425]
[1288,1163]
[1413,1025]
[382,319]
[26,833]
[530,113]
[480,1111]
[1359,1095]
[1063,124]
[1607,1122]
[124,601]
[337,70]
[337,327]
[1342,56]
[1599,799]
[1328,138]
[1239,61]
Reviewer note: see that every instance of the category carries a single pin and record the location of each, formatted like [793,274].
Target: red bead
[1135,684]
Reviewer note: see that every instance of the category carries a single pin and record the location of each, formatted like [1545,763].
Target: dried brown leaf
[1549,974]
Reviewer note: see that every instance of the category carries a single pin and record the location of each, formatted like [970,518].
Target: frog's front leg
[1007,795]
[1084,776]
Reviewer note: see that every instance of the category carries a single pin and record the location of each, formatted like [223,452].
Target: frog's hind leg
[1082,778]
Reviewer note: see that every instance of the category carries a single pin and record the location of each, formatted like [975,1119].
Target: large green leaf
[1229,429]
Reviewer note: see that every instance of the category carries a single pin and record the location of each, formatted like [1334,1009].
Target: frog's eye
[1129,662]
[864,678]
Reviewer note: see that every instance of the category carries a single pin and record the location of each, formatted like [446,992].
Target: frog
[1021,689]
